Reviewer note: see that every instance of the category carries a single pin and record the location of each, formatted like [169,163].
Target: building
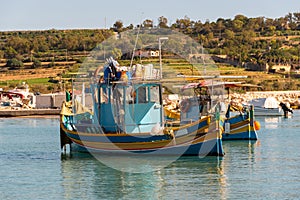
[142,53]
[281,68]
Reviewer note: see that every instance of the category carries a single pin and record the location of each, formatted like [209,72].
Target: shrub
[36,63]
[52,64]
[50,88]
[14,63]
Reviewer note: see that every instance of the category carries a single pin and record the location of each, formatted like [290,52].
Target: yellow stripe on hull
[245,128]
[166,130]
[210,132]
[182,141]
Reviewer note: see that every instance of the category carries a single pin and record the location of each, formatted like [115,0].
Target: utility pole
[159,47]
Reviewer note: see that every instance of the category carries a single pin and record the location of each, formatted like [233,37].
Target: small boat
[129,119]
[238,123]
[17,97]
[269,106]
[241,126]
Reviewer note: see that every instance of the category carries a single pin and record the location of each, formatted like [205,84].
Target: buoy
[256,125]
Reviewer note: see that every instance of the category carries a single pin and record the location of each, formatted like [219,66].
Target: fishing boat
[270,106]
[128,118]
[241,126]
[235,124]
[238,122]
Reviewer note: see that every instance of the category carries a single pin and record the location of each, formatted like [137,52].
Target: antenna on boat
[137,36]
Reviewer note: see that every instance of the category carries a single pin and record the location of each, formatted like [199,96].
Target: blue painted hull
[240,129]
[208,148]
[188,139]
[247,135]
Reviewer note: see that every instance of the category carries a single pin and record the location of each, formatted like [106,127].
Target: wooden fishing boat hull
[190,139]
[207,148]
[259,111]
[240,128]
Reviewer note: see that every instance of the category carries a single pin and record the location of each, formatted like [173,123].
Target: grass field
[28,81]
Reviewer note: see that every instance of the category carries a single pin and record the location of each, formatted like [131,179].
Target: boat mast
[137,36]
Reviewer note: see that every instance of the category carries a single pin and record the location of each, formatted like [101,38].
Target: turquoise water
[31,167]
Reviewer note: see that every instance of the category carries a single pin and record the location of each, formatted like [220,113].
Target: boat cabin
[128,108]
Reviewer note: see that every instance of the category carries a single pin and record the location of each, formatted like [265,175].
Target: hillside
[52,55]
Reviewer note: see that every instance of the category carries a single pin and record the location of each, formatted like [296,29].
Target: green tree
[118,26]
[148,23]
[40,44]
[183,23]
[70,42]
[10,53]
[50,88]
[162,22]
[237,25]
[14,63]
[36,63]
[207,27]
[117,53]
[198,26]
[254,24]
[272,29]
[52,41]
[21,45]
[229,34]
[130,26]
[268,22]
[220,27]
[202,39]
[296,19]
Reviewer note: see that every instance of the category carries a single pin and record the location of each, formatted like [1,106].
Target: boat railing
[89,128]
[94,128]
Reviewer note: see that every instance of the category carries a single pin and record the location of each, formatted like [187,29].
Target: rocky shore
[290,98]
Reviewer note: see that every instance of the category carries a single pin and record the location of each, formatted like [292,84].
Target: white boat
[267,107]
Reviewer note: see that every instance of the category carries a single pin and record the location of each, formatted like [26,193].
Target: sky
[90,14]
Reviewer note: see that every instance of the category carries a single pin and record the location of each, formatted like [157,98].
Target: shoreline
[29,113]
[38,116]
[289,97]
[292,98]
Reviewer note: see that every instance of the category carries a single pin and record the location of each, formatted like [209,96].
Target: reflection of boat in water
[128,118]
[98,178]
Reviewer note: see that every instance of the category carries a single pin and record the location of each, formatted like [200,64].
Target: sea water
[32,167]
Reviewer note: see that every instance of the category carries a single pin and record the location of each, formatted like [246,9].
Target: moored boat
[242,126]
[129,118]
[269,107]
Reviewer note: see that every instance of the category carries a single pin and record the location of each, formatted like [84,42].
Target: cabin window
[154,94]
[142,95]
[147,94]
